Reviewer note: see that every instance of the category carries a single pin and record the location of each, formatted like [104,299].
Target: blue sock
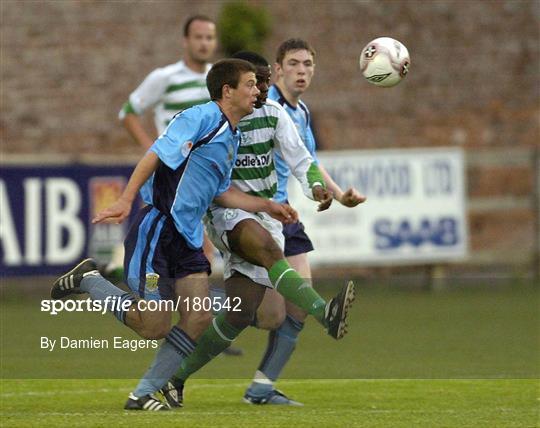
[176,346]
[281,344]
[101,289]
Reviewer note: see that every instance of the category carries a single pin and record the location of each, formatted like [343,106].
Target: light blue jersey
[301,118]
[197,152]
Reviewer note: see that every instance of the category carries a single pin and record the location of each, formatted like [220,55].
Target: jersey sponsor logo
[250,161]
[186,148]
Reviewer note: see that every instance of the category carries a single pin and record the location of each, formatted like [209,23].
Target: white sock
[260,377]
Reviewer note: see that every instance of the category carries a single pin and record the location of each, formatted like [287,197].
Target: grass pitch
[328,402]
[462,357]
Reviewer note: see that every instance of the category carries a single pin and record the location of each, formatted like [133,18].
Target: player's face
[200,44]
[263,83]
[244,97]
[296,71]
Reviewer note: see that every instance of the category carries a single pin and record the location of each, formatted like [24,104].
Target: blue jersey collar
[231,127]
[282,100]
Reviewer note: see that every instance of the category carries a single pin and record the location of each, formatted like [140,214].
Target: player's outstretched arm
[350,198]
[120,210]
[293,151]
[323,196]
[234,198]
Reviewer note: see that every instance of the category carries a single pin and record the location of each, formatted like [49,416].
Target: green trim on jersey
[185,85]
[127,108]
[258,123]
[314,175]
[260,172]
[266,193]
[183,106]
[257,148]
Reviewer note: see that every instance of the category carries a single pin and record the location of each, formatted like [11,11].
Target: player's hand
[115,214]
[352,198]
[282,212]
[323,196]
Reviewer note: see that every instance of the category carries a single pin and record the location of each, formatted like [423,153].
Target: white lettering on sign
[8,234]
[63,203]
[32,221]
[51,208]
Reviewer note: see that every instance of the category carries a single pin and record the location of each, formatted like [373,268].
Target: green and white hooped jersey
[168,90]
[267,129]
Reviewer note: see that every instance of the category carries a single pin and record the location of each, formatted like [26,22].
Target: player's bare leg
[209,250]
[252,242]
[149,324]
[179,342]
[187,290]
[84,278]
[255,245]
[272,311]
[286,321]
[223,330]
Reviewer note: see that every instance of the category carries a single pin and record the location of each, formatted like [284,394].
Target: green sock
[217,337]
[291,286]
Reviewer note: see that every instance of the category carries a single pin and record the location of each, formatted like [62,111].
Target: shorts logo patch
[186,148]
[152,281]
[230,214]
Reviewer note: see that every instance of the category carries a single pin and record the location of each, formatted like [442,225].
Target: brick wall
[67,67]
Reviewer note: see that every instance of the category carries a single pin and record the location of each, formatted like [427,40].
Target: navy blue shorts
[296,239]
[156,255]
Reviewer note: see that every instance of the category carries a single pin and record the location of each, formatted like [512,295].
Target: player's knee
[155,332]
[270,254]
[199,322]
[271,318]
[241,319]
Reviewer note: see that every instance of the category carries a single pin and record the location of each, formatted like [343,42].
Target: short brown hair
[226,72]
[293,45]
[194,18]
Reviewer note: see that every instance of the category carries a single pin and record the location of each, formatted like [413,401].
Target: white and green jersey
[168,90]
[266,130]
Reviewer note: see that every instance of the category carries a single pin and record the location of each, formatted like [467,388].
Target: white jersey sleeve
[292,150]
[149,92]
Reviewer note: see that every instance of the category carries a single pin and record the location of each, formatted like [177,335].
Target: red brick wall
[67,67]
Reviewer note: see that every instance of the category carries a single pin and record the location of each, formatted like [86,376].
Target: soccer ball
[385,62]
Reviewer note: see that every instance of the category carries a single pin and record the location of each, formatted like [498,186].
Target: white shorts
[220,220]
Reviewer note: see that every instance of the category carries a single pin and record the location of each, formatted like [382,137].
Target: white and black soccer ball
[385,62]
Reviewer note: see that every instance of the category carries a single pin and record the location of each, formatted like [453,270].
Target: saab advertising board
[415,210]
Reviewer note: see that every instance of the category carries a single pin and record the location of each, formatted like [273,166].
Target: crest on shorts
[152,281]
[230,214]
